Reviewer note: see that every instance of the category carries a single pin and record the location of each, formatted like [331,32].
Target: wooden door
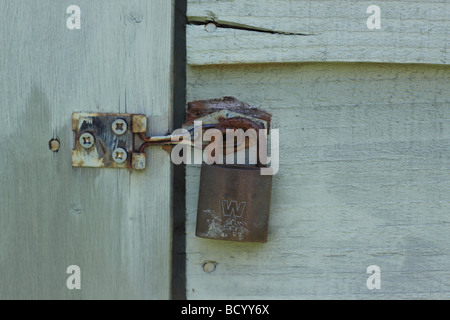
[115,225]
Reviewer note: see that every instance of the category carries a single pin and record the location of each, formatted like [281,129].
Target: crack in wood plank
[239,26]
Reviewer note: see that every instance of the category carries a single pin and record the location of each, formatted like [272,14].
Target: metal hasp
[107,140]
[234,203]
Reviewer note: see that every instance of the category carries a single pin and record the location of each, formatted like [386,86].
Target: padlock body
[234,203]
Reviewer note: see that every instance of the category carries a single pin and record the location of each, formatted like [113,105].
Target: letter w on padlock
[232,211]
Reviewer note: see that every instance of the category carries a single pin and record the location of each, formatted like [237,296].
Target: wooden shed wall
[326,30]
[364,157]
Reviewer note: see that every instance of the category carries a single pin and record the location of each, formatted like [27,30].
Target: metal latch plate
[107,140]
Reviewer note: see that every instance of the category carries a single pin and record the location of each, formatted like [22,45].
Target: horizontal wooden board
[364,180]
[306,31]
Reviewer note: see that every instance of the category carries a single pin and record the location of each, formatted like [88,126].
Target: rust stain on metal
[102,146]
[201,108]
[237,123]
[138,161]
[139,123]
[228,113]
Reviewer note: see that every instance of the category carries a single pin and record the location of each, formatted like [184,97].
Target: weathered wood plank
[114,224]
[411,32]
[364,180]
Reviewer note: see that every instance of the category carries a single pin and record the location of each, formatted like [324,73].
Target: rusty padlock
[234,203]
[234,200]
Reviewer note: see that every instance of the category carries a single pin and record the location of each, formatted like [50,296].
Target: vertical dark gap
[179,171]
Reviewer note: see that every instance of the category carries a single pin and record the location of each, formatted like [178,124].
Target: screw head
[209,266]
[119,127]
[119,155]
[87,140]
[54,145]
[211,27]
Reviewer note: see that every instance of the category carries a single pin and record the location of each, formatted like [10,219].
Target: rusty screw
[87,140]
[54,145]
[209,266]
[119,127]
[119,155]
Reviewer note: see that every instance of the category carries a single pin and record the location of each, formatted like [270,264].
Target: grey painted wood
[411,31]
[114,224]
[364,180]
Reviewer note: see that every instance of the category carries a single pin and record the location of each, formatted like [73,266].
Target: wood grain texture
[364,180]
[411,32]
[114,224]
